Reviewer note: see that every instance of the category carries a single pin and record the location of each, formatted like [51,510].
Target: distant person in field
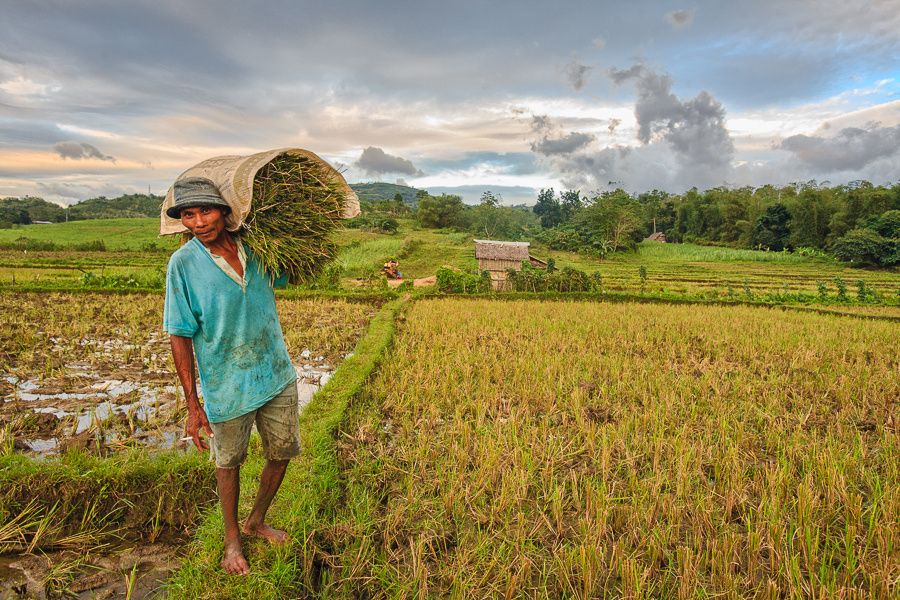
[220,307]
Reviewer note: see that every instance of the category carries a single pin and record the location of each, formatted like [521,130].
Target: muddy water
[140,570]
[101,410]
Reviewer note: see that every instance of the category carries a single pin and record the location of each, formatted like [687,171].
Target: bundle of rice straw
[285,204]
[296,207]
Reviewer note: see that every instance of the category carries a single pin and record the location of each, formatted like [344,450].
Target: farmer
[220,307]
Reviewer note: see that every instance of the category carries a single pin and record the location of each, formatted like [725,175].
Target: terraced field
[136,258]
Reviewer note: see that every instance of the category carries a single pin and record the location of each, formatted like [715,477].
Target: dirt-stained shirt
[241,355]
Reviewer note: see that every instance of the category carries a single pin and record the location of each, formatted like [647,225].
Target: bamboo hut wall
[500,281]
[485,264]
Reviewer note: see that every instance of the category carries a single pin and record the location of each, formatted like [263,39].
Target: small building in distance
[659,236]
[496,257]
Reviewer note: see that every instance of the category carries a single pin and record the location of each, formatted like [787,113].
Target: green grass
[695,253]
[420,251]
[117,234]
[361,257]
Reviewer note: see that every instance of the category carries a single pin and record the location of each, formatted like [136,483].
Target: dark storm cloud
[80,150]
[131,42]
[376,161]
[694,128]
[562,145]
[576,74]
[553,141]
[680,18]
[852,148]
[684,143]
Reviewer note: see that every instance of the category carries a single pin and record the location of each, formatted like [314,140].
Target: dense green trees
[768,217]
[490,220]
[612,221]
[127,205]
[439,211]
[37,209]
[10,216]
[548,209]
[772,229]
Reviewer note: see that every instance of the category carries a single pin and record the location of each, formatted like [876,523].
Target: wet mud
[132,571]
[101,410]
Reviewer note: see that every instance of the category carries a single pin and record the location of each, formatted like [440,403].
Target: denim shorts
[277,424]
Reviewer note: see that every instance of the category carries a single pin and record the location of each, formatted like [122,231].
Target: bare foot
[234,562]
[276,537]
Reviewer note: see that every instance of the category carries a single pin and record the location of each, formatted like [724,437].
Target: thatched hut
[657,236]
[496,257]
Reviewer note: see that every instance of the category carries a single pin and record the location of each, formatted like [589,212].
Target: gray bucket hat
[195,191]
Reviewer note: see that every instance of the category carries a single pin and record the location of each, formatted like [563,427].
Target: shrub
[841,288]
[93,280]
[460,282]
[531,279]
[92,246]
[866,247]
[373,222]
[329,279]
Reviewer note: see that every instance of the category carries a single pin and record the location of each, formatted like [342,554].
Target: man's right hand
[196,420]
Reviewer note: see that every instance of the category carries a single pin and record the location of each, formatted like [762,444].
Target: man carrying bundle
[220,307]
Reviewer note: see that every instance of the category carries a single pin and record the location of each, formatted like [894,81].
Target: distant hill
[373,192]
[30,209]
[122,207]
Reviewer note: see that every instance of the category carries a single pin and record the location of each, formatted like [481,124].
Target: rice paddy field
[547,449]
[672,446]
[95,371]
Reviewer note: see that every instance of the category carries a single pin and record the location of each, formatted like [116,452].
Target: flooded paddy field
[94,371]
[93,505]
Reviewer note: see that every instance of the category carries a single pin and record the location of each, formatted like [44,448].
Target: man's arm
[183,355]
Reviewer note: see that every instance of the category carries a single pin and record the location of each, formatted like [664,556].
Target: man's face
[207,223]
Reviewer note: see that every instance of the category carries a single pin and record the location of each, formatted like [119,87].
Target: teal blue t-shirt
[241,356]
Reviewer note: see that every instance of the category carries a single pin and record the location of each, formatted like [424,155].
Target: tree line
[765,218]
[858,222]
[30,209]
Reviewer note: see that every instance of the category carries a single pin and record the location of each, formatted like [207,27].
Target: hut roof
[659,236]
[493,250]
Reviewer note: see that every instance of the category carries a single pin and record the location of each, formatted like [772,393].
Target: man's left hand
[196,420]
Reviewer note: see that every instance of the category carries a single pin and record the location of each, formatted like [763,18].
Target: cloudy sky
[106,97]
